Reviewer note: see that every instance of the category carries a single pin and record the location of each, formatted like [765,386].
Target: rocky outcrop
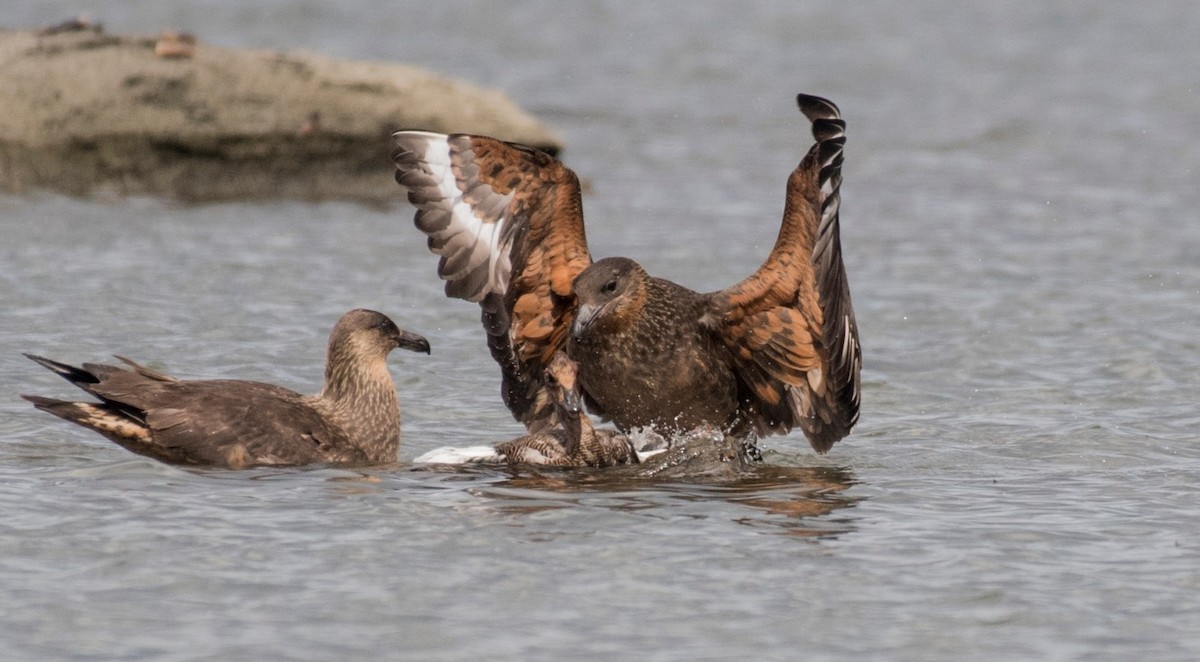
[88,113]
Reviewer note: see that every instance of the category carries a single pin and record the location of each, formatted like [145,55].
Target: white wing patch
[463,216]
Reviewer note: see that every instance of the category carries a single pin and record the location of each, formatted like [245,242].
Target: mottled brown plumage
[778,350]
[575,443]
[355,419]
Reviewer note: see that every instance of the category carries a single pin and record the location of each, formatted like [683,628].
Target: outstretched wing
[790,326]
[507,221]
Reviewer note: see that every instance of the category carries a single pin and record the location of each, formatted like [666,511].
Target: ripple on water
[1022,252]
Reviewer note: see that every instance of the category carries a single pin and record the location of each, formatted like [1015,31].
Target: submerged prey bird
[779,349]
[573,443]
[355,419]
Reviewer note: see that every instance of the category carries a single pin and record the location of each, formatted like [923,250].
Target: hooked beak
[572,402]
[584,315]
[413,342]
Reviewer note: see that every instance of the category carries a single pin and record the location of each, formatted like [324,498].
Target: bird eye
[609,287]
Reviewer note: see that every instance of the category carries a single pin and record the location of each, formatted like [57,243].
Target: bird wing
[507,221]
[220,422]
[790,325]
[239,423]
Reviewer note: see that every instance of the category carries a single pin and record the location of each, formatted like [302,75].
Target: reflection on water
[1024,269]
[703,466]
[791,499]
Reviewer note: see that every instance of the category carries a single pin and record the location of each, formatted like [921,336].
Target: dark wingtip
[68,372]
[822,444]
[38,401]
[549,148]
[815,108]
[840,329]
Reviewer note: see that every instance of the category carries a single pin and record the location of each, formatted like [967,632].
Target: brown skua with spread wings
[778,350]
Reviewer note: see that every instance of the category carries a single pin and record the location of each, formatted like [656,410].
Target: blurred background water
[1020,232]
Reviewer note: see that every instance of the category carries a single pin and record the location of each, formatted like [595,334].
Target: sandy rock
[88,113]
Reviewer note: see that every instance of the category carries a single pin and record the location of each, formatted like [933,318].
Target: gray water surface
[1021,237]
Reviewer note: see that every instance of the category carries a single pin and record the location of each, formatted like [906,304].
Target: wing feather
[790,325]
[507,221]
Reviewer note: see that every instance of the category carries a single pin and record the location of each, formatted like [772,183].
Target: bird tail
[77,376]
[102,418]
